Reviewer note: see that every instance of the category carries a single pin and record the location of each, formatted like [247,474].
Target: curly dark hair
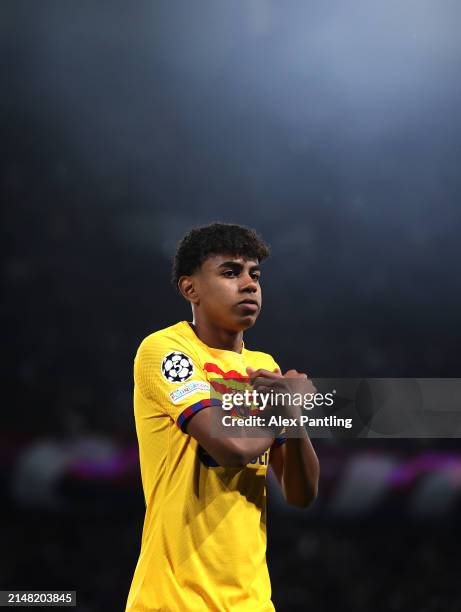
[216,239]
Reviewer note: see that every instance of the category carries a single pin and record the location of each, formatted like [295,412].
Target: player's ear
[188,289]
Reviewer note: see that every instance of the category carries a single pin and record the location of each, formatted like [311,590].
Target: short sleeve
[168,373]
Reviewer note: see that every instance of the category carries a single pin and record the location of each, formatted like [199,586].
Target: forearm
[297,467]
[247,449]
[229,451]
[300,471]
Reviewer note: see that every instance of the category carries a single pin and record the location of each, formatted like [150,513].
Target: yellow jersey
[203,543]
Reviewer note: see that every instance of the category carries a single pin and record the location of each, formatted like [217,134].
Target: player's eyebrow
[235,265]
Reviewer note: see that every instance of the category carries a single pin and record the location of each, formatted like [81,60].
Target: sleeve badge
[177,367]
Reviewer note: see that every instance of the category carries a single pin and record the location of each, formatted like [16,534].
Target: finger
[262,373]
[264,389]
[274,383]
[295,374]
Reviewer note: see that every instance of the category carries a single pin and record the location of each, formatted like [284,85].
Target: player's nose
[249,284]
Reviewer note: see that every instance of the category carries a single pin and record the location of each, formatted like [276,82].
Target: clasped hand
[266,381]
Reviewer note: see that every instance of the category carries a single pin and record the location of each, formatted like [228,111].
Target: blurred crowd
[334,130]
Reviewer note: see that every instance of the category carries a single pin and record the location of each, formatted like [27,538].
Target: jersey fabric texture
[204,536]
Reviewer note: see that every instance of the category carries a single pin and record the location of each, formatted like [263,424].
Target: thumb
[250,370]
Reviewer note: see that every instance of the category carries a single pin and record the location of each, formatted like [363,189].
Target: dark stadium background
[334,129]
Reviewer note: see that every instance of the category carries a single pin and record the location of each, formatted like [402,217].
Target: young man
[204,537]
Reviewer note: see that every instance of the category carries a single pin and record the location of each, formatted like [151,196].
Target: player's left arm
[294,463]
[296,467]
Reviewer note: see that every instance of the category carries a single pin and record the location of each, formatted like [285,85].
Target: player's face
[229,291]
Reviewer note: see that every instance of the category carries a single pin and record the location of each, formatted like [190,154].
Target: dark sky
[333,128]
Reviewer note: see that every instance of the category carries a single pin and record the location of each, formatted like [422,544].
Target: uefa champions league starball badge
[177,367]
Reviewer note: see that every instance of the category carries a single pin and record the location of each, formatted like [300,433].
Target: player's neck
[217,337]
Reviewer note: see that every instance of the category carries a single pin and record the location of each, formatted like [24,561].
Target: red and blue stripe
[184,417]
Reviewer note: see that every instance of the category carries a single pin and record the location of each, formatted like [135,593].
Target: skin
[216,292]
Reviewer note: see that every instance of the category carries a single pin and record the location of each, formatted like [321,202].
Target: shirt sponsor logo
[194,386]
[262,459]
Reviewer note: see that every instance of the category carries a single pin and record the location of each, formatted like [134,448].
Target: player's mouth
[249,304]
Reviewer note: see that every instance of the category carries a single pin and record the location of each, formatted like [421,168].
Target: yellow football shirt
[204,536]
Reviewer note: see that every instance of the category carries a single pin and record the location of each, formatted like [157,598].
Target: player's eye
[256,276]
[229,273]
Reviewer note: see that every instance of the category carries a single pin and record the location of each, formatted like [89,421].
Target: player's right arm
[228,452]
[187,402]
